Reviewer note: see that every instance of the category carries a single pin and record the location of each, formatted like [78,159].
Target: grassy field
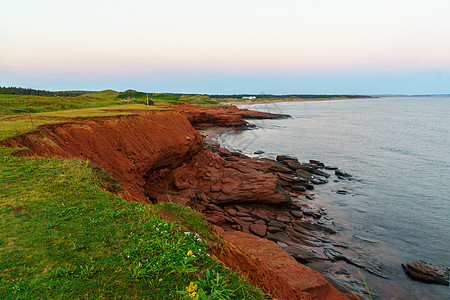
[16,124]
[21,104]
[63,237]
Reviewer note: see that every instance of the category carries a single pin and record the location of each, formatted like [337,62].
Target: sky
[226,47]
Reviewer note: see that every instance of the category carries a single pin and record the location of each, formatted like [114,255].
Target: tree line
[29,91]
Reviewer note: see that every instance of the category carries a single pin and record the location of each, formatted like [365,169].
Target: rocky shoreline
[305,231]
[302,228]
[160,156]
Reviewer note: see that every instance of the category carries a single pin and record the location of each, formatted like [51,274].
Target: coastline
[161,157]
[316,246]
[390,259]
[268,101]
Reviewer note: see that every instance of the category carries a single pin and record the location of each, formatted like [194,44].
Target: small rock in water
[318,180]
[330,168]
[320,173]
[422,271]
[258,152]
[316,162]
[340,173]
[342,192]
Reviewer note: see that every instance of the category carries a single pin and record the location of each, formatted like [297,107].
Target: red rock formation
[260,259]
[210,177]
[228,116]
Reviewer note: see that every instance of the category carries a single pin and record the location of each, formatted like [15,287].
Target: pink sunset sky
[323,46]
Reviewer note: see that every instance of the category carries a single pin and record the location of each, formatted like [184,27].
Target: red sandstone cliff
[129,147]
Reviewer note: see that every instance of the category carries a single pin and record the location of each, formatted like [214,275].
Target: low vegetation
[63,237]
[24,104]
[13,125]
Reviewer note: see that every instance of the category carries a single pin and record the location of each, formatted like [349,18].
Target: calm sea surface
[398,150]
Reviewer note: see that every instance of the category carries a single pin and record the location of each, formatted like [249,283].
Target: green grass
[63,237]
[102,95]
[17,104]
[14,125]
[189,218]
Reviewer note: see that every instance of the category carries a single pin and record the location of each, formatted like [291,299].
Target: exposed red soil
[159,156]
[233,256]
[266,265]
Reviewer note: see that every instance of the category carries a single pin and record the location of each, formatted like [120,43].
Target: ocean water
[398,151]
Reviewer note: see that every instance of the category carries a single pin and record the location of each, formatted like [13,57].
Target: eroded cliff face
[128,147]
[159,156]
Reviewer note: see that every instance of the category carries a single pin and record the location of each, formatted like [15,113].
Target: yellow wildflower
[189,253]
[191,289]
